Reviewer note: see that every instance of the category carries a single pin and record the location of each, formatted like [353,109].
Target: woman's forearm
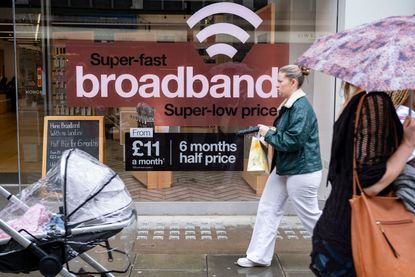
[394,167]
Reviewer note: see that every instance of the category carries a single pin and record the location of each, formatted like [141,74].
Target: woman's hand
[409,132]
[263,129]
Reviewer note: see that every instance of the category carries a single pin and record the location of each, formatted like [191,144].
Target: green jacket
[295,138]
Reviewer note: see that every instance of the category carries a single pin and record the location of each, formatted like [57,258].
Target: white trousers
[302,190]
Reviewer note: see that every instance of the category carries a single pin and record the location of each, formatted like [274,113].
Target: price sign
[184,152]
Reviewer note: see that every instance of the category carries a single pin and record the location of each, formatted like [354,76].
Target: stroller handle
[10,197]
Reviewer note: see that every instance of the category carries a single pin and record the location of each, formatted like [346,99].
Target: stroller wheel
[50,266]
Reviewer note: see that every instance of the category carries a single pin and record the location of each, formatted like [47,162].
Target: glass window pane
[8,121]
[142,64]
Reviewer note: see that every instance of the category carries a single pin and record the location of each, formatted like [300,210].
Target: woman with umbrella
[374,58]
[379,162]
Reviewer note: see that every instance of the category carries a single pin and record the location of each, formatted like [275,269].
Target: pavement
[210,245]
[190,246]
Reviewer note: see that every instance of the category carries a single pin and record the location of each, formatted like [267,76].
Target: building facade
[191,73]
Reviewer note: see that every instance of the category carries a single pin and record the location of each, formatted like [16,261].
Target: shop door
[20,58]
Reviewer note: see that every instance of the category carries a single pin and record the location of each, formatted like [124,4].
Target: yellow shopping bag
[257,159]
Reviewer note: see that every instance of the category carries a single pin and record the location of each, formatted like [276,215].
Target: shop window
[162,23]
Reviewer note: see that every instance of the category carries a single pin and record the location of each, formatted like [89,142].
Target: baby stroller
[80,206]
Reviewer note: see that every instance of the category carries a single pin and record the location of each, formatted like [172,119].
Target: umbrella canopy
[377,56]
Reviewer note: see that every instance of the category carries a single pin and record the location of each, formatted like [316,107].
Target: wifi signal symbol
[223,28]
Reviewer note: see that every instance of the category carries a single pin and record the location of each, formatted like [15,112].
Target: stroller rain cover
[80,202]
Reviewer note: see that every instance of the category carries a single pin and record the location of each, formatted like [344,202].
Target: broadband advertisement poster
[173,79]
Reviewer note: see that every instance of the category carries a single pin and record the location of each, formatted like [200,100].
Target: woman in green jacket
[296,168]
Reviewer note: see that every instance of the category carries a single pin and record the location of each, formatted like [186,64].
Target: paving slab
[169,265]
[158,273]
[298,274]
[295,264]
[224,265]
[170,262]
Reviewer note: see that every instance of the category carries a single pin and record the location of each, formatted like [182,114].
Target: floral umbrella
[377,56]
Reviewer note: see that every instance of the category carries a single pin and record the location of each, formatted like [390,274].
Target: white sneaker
[245,262]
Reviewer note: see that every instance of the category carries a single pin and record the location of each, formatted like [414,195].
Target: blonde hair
[295,72]
[348,91]
[398,97]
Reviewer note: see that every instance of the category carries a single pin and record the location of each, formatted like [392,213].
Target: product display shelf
[59,82]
